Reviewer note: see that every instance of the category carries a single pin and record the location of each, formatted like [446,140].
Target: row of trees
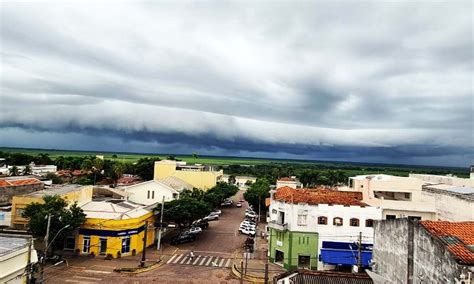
[195,204]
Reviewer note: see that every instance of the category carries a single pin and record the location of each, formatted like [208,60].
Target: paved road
[213,250]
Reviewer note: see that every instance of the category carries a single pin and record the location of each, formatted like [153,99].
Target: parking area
[213,250]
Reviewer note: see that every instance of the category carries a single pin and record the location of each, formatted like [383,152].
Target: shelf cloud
[332,81]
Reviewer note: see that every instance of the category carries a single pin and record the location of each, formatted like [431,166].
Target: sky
[383,82]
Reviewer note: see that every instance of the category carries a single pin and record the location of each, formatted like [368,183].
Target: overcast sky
[370,82]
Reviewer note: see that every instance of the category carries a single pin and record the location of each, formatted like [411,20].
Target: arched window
[322,220]
[354,222]
[337,221]
[369,223]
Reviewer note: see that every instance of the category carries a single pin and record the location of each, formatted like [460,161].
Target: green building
[293,249]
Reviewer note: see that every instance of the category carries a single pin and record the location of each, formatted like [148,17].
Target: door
[126,244]
[86,245]
[103,245]
[279,257]
[304,261]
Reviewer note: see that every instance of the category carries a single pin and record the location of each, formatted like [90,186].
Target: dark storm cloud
[301,79]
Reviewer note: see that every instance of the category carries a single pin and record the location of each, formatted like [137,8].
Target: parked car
[251,215]
[247,231]
[211,217]
[201,223]
[183,238]
[238,204]
[248,223]
[216,212]
[249,210]
[194,230]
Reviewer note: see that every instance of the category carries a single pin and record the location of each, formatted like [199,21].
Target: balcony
[278,226]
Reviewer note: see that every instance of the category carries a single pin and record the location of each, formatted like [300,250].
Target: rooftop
[319,196]
[19,181]
[288,179]
[458,237]
[57,190]
[466,193]
[9,244]
[120,210]
[329,277]
[176,183]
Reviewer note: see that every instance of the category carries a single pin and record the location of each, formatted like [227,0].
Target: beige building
[199,176]
[452,203]
[448,180]
[292,182]
[397,196]
[14,258]
[150,192]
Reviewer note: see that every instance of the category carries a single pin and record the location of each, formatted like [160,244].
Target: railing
[278,225]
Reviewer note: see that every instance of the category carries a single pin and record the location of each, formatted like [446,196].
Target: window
[126,244]
[19,212]
[414,218]
[69,243]
[354,222]
[153,195]
[302,220]
[390,217]
[369,223]
[86,244]
[337,221]
[274,211]
[407,196]
[279,257]
[175,195]
[304,261]
[322,220]
[148,195]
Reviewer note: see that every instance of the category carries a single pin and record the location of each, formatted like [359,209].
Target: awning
[342,253]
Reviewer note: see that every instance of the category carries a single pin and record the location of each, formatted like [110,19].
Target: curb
[249,278]
[137,270]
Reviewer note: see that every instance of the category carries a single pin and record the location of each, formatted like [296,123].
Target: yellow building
[71,193]
[199,176]
[113,228]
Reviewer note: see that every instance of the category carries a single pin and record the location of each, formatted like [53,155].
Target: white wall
[13,265]
[451,208]
[150,192]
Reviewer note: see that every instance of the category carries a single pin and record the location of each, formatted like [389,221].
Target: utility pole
[359,254]
[246,261]
[265,281]
[158,247]
[45,247]
[259,202]
[142,262]
[28,263]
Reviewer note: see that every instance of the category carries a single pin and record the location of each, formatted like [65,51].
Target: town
[195,222]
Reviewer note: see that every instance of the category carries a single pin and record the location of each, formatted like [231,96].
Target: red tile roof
[287,179]
[456,236]
[319,196]
[19,182]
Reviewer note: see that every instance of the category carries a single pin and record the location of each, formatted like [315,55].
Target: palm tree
[13,171]
[97,166]
[27,170]
[86,165]
[118,170]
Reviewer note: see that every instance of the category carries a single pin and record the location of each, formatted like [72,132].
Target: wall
[12,265]
[447,206]
[7,192]
[139,193]
[199,179]
[408,213]
[455,181]
[114,243]
[293,244]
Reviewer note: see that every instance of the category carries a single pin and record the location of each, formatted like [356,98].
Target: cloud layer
[387,82]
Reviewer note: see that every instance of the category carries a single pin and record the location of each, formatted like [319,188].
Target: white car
[211,217]
[251,215]
[194,230]
[247,224]
[238,204]
[216,212]
[247,231]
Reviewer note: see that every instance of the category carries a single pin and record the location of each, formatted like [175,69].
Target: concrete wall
[7,192]
[447,206]
[404,252]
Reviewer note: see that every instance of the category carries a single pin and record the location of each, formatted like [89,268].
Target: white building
[398,197]
[292,182]
[14,258]
[240,181]
[452,203]
[150,192]
[448,179]
[319,226]
[43,169]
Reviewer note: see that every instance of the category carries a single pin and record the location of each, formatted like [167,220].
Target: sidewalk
[254,268]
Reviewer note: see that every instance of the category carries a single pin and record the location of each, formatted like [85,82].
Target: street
[214,252]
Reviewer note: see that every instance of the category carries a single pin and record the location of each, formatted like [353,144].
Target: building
[318,228]
[317,277]
[292,182]
[398,197]
[43,169]
[448,179]
[14,255]
[151,192]
[113,228]
[176,183]
[449,199]
[240,181]
[71,193]
[408,251]
[12,186]
[199,176]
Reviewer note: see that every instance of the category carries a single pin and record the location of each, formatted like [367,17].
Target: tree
[61,215]
[118,170]
[144,167]
[43,159]
[27,170]
[195,193]
[97,166]
[195,155]
[86,165]
[13,171]
[54,178]
[114,156]
[184,211]
[216,195]
[232,179]
[257,193]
